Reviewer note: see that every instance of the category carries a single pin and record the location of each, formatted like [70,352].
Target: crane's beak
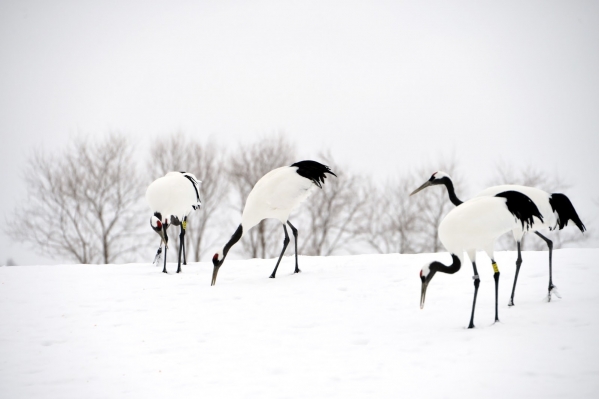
[425,185]
[423,293]
[214,274]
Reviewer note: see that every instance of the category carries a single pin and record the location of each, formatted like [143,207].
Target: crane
[476,225]
[556,209]
[274,196]
[172,198]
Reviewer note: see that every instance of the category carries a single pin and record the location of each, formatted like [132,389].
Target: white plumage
[172,198]
[556,210]
[475,225]
[274,196]
[539,197]
[174,195]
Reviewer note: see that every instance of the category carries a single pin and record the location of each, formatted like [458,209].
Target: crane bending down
[555,208]
[275,195]
[172,198]
[475,225]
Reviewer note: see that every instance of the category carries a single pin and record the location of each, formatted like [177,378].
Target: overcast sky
[384,85]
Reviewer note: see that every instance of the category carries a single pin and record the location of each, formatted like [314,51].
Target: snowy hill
[346,327]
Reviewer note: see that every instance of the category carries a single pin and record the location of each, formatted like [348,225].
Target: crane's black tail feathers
[522,207]
[196,187]
[561,205]
[313,170]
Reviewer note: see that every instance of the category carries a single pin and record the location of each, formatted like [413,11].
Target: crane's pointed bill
[423,294]
[425,185]
[214,274]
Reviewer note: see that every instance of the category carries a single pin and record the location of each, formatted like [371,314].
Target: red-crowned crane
[172,198]
[475,225]
[555,208]
[274,196]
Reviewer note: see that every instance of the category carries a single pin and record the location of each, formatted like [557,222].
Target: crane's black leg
[518,263]
[285,243]
[496,277]
[184,225]
[181,245]
[552,288]
[294,231]
[165,248]
[476,284]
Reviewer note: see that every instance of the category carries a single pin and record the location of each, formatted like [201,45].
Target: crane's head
[160,227]
[217,261]
[219,257]
[426,275]
[436,178]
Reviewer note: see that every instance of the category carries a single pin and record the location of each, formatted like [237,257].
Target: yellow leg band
[495,268]
[184,225]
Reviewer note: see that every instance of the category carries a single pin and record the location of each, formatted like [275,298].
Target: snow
[346,327]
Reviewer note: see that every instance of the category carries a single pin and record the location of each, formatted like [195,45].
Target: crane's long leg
[496,277]
[285,243]
[181,245]
[552,288]
[184,225]
[294,231]
[476,284]
[518,263]
[165,248]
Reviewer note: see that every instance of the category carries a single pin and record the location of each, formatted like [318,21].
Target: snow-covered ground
[346,327]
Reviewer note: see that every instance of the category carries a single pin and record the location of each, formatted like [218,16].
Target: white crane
[172,198]
[555,208]
[274,196]
[475,225]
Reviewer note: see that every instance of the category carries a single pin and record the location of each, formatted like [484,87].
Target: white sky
[383,85]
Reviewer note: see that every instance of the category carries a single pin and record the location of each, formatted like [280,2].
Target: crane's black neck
[451,269]
[234,238]
[451,191]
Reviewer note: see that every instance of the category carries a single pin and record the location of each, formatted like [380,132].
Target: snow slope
[346,327]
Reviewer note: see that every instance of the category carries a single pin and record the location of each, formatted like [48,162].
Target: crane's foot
[553,290]
[471,325]
[272,276]
[164,271]
[511,303]
[297,270]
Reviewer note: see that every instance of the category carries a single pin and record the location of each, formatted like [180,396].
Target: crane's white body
[475,225]
[539,197]
[172,195]
[275,196]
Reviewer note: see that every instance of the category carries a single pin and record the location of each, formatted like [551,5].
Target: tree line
[86,204]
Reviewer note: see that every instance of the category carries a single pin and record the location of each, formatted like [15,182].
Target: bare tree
[392,222]
[396,222]
[330,215]
[83,204]
[178,152]
[247,165]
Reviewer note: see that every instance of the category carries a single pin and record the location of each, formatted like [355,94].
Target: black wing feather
[313,170]
[522,207]
[565,211]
